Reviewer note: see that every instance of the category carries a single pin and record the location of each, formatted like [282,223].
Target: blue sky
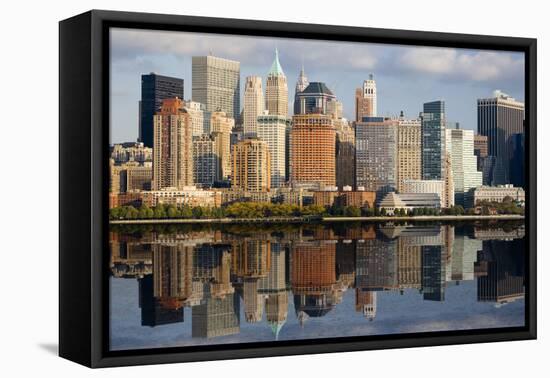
[406,77]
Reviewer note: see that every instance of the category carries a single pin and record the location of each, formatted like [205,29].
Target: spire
[302,81]
[276,69]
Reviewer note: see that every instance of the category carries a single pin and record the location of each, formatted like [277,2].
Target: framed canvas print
[236,188]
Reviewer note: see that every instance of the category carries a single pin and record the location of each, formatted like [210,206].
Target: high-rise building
[216,84]
[345,153]
[276,89]
[251,165]
[481,148]
[448,178]
[409,151]
[154,89]
[500,117]
[221,126]
[301,84]
[172,150]
[376,155]
[200,119]
[365,100]
[315,98]
[206,161]
[312,150]
[433,140]
[460,145]
[274,129]
[253,105]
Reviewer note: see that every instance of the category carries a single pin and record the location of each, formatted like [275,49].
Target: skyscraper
[253,105]
[273,129]
[365,99]
[206,161]
[345,153]
[251,170]
[376,155]
[154,89]
[409,151]
[172,150]
[200,120]
[312,150]
[301,84]
[499,117]
[276,89]
[216,84]
[460,145]
[433,140]
[314,99]
[221,126]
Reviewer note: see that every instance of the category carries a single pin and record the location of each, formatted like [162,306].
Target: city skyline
[407,76]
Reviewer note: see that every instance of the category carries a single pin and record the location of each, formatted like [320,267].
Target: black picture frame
[83,180]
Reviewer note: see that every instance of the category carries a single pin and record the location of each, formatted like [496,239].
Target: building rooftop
[276,69]
[318,87]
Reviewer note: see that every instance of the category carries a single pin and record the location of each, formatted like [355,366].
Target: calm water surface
[218,284]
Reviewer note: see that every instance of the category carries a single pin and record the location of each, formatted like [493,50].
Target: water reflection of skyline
[215,273]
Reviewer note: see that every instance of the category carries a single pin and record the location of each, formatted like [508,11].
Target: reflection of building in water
[212,266]
[463,258]
[251,262]
[345,262]
[172,273]
[504,264]
[130,260]
[365,302]
[313,278]
[409,272]
[157,311]
[499,233]
[376,264]
[433,272]
[216,317]
[275,289]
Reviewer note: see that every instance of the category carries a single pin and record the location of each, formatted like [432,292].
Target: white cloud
[476,65]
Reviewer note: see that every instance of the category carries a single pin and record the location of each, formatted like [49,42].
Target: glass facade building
[433,140]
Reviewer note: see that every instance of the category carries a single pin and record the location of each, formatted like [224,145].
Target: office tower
[253,105]
[481,148]
[345,153]
[200,119]
[251,170]
[154,89]
[460,146]
[314,99]
[301,84]
[365,99]
[216,317]
[409,151]
[221,126]
[335,109]
[172,151]
[276,89]
[499,117]
[206,161]
[433,140]
[312,150]
[216,84]
[274,129]
[376,155]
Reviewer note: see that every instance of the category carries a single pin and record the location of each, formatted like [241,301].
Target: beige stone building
[276,89]
[221,126]
[251,166]
[409,152]
[254,105]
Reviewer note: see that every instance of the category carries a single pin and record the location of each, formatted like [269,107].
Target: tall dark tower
[154,89]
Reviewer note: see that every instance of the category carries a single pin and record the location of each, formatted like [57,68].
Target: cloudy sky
[406,77]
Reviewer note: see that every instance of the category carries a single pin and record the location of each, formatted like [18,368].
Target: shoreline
[421,218]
